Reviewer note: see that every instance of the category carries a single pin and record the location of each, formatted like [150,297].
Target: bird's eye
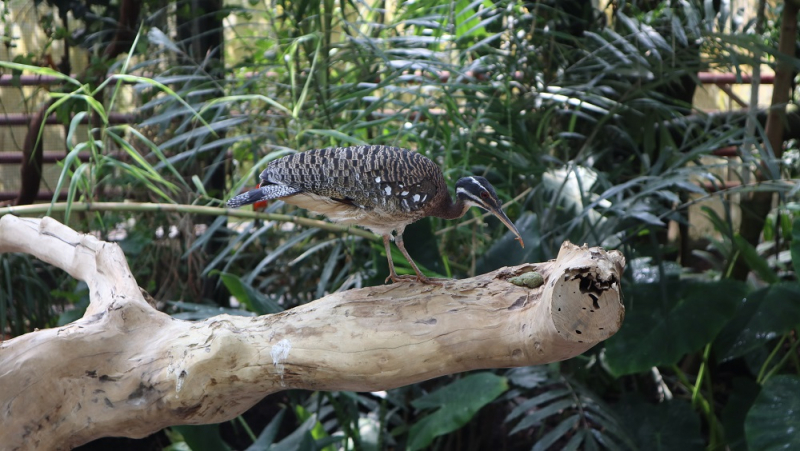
[485,195]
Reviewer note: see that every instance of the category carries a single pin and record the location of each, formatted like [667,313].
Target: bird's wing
[366,177]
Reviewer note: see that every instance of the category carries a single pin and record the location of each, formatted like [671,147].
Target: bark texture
[126,369]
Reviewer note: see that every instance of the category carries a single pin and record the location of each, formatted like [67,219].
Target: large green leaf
[764,315]
[743,393]
[757,263]
[205,437]
[795,246]
[457,403]
[249,296]
[671,425]
[267,436]
[664,321]
[774,420]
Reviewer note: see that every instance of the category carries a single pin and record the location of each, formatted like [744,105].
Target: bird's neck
[452,210]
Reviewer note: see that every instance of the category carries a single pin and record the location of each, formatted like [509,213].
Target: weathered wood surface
[126,369]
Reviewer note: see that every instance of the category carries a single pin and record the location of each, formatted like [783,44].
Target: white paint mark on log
[279,353]
[181,378]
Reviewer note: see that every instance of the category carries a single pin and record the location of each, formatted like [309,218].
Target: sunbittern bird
[380,188]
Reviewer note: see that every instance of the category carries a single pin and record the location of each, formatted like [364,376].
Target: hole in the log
[92,373]
[594,300]
[559,309]
[107,378]
[429,321]
[590,284]
[602,328]
[577,331]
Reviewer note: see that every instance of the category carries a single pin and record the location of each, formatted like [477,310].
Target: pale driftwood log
[126,369]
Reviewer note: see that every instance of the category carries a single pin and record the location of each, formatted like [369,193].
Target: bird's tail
[263,192]
[247,198]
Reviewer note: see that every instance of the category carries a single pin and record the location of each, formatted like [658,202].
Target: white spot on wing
[404,193]
[377,179]
[415,197]
[388,190]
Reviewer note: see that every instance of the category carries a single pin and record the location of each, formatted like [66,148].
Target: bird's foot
[415,278]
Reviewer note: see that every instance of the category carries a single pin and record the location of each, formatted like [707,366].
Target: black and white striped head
[478,192]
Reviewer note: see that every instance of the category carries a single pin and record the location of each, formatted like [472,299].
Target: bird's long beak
[504,219]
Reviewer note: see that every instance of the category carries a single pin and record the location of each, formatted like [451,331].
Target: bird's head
[478,192]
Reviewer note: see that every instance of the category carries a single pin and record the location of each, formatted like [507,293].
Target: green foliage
[669,319]
[795,246]
[561,413]
[578,118]
[267,436]
[454,404]
[762,316]
[742,395]
[202,438]
[670,425]
[775,416]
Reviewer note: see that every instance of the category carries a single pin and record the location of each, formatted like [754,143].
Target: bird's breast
[379,220]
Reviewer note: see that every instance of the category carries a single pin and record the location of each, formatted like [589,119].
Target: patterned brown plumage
[377,187]
[369,177]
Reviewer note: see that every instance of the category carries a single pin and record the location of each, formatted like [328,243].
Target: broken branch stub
[126,369]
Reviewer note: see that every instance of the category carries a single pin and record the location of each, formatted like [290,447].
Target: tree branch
[126,369]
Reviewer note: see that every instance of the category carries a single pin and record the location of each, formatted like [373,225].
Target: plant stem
[40,209]
[760,378]
[789,353]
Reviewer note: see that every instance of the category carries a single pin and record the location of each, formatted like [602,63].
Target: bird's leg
[392,274]
[420,277]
